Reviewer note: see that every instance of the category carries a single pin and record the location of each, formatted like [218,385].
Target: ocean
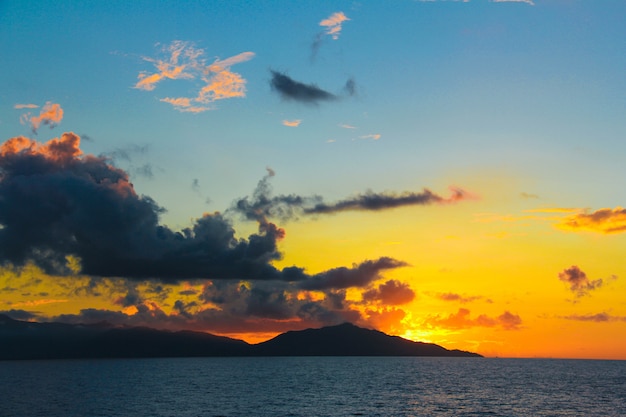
[312,386]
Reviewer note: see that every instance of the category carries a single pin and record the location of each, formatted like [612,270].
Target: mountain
[348,340]
[27,340]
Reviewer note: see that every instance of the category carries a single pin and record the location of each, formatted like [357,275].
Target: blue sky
[520,103]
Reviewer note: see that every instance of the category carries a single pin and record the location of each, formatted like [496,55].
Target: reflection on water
[312,386]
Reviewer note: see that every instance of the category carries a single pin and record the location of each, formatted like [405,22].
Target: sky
[446,171]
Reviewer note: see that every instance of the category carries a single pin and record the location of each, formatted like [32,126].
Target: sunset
[450,172]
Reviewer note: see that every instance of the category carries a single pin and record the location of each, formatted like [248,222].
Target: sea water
[313,386]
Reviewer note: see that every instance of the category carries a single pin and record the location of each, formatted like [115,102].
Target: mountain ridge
[21,340]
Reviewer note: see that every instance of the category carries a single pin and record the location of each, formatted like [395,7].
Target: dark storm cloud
[56,202]
[290,89]
[262,205]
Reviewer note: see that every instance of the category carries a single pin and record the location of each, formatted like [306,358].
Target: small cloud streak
[347,126]
[462,320]
[595,318]
[25,106]
[292,123]
[578,281]
[458,297]
[530,2]
[374,136]
[183,61]
[605,220]
[51,115]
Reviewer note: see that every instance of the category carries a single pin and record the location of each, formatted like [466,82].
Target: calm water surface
[328,386]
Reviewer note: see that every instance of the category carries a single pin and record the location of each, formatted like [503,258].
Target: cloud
[347,126]
[458,297]
[333,24]
[290,89]
[604,220]
[25,106]
[462,320]
[528,195]
[375,136]
[292,123]
[332,27]
[578,281]
[371,201]
[51,115]
[184,61]
[514,1]
[55,202]
[595,318]
[70,213]
[33,303]
[358,276]
[391,292]
[263,205]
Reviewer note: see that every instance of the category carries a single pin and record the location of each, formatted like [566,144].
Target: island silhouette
[21,340]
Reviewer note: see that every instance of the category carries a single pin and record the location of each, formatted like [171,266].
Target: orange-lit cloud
[292,123]
[184,61]
[605,220]
[462,320]
[333,24]
[51,114]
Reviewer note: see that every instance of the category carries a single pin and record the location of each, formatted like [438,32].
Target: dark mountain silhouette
[27,340]
[348,340]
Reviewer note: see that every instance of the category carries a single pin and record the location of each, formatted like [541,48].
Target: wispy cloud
[347,126]
[51,115]
[462,320]
[292,123]
[374,136]
[182,60]
[531,2]
[605,220]
[528,195]
[263,205]
[25,106]
[332,27]
[595,318]
[449,296]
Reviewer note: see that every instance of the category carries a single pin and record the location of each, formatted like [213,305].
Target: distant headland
[20,340]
